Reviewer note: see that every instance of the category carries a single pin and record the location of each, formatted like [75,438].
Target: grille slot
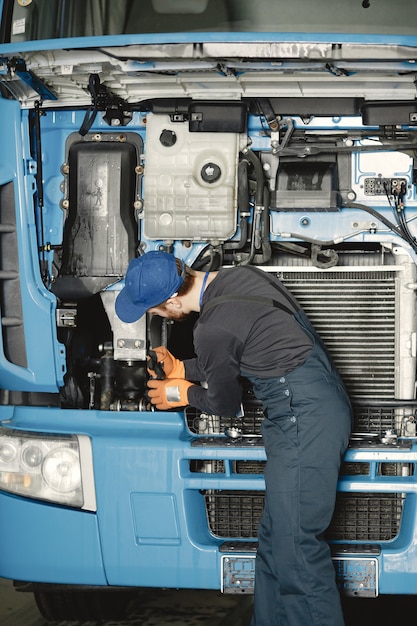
[366,517]
[379,419]
[355,469]
[249,467]
[354,312]
[249,424]
[400,416]
[13,335]
[357,517]
[232,514]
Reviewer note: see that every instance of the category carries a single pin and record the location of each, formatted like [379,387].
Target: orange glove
[173,367]
[169,393]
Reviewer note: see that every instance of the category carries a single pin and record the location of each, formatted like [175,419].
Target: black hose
[364,207]
[266,243]
[400,229]
[256,237]
[210,262]
[259,175]
[243,204]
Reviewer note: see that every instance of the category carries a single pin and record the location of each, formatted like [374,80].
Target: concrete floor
[153,608]
[194,608]
[17,609]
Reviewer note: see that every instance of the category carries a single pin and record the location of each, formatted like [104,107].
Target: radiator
[366,316]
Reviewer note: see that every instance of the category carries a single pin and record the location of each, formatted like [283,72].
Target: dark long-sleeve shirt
[237,338]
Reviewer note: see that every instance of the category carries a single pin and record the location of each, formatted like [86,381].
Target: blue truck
[277,134]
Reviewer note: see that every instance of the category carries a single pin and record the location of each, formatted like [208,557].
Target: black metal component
[107,377]
[40,197]
[117,110]
[155,366]
[103,186]
[269,113]
[323,258]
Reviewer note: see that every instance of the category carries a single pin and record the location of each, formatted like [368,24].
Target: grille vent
[354,312]
[357,517]
[11,322]
[366,517]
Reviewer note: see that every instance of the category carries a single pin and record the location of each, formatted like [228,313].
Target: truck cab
[227,133]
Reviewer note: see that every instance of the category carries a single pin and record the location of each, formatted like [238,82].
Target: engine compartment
[326,203]
[319,191]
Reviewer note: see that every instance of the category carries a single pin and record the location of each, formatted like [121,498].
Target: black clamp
[117,110]
[154,365]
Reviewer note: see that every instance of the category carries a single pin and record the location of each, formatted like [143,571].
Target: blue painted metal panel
[172,38]
[45,356]
[44,543]
[142,495]
[151,521]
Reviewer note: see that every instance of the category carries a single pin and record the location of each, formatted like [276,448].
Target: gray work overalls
[308,420]
[305,432]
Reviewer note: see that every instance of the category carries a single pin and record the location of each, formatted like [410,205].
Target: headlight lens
[61,470]
[43,466]
[32,456]
[7,452]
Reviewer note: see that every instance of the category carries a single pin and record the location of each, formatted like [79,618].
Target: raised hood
[209,49]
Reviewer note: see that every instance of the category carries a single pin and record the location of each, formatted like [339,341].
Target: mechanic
[251,326]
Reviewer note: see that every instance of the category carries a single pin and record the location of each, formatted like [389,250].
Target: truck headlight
[56,468]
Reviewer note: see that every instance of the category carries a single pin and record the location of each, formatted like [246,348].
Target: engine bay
[297,159]
[328,208]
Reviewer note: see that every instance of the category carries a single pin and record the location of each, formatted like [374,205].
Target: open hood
[224,70]
[201,49]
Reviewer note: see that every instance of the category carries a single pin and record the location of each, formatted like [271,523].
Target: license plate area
[237,573]
[355,576]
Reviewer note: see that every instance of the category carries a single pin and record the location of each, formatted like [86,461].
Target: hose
[243,204]
[256,239]
[400,229]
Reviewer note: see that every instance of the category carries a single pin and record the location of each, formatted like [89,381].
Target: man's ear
[174,302]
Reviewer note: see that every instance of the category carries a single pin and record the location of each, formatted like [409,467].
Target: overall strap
[249,299]
[276,285]
[256,299]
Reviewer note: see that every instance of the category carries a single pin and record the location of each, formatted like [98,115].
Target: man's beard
[176,316]
[179,317]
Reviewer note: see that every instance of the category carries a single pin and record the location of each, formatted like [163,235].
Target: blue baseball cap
[150,280]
